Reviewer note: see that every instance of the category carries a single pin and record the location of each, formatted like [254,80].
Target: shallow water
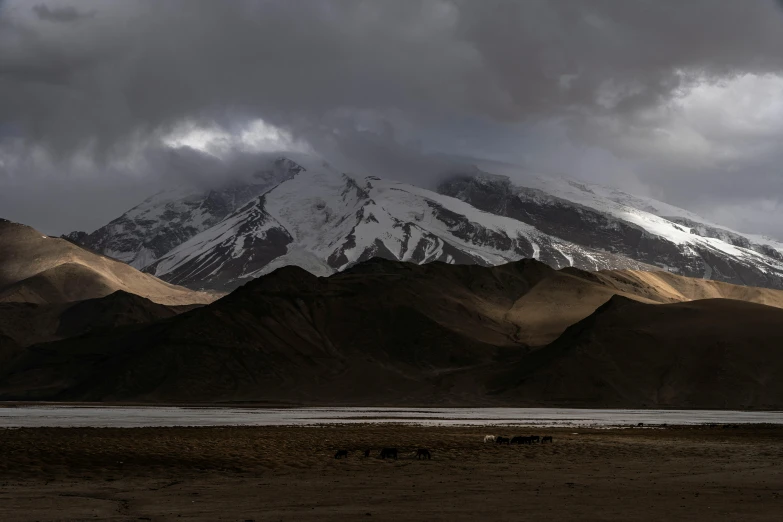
[166,416]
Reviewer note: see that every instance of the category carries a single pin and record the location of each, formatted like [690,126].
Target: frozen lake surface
[163,416]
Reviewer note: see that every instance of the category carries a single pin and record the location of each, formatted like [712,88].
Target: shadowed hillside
[386,332]
[23,324]
[714,353]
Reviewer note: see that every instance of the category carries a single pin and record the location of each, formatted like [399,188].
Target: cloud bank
[678,100]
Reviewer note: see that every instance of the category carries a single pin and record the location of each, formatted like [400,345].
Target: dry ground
[288,473]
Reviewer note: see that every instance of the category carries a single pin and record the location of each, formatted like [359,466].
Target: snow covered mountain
[643,229]
[325,221]
[299,210]
[163,221]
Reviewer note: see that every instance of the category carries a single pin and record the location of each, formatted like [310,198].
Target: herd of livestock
[424,453]
[519,439]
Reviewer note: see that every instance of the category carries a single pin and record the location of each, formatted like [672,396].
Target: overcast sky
[103,102]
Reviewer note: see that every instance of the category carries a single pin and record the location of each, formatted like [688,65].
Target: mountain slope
[326,221]
[380,332]
[24,324]
[715,353]
[286,336]
[165,220]
[36,268]
[596,217]
[300,210]
[30,323]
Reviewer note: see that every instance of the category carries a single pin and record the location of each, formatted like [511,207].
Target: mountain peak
[298,209]
[166,220]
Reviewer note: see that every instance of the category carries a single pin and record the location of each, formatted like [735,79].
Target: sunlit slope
[37,268]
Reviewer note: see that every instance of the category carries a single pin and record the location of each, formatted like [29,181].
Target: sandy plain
[289,474]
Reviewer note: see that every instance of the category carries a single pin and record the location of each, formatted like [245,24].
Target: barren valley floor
[289,473]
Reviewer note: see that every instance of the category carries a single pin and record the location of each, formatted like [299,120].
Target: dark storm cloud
[143,65]
[59,14]
[377,82]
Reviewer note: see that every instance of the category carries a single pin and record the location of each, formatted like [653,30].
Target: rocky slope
[385,332]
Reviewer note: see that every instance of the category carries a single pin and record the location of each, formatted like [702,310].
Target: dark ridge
[391,333]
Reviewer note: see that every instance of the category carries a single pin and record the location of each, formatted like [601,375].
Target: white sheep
[489,438]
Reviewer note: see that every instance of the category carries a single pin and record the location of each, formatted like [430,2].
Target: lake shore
[108,416]
[289,473]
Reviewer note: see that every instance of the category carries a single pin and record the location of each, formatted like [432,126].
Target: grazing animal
[389,453]
[423,453]
[489,438]
[517,440]
[341,454]
[366,453]
[546,438]
[535,438]
[502,440]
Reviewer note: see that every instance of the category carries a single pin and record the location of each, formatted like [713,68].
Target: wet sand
[289,473]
